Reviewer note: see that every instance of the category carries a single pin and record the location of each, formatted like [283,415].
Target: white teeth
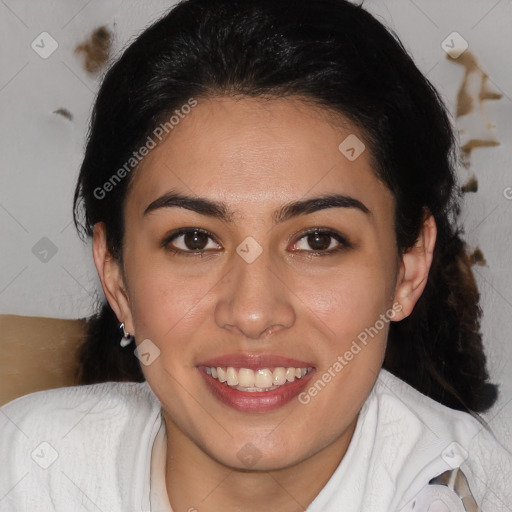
[221,374]
[279,376]
[232,377]
[263,379]
[246,377]
[255,390]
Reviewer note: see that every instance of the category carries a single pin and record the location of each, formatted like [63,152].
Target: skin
[256,156]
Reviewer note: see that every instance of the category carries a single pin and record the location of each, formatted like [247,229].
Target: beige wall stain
[475,129]
[96,49]
[474,126]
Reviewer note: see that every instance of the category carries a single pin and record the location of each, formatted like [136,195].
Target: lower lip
[257,401]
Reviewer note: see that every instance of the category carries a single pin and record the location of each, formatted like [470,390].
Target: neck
[197,482]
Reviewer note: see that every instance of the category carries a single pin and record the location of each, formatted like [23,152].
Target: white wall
[41,151]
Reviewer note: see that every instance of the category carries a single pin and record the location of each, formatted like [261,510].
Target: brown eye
[190,241]
[195,240]
[322,242]
[319,241]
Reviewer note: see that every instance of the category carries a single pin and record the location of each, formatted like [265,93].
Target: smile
[255,383]
[259,380]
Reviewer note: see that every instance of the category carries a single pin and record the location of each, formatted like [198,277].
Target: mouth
[255,384]
[256,381]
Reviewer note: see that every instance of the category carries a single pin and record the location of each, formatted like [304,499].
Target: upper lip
[254,361]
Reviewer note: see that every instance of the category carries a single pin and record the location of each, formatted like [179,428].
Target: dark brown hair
[337,55]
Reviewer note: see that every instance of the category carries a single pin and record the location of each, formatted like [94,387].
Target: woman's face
[294,269]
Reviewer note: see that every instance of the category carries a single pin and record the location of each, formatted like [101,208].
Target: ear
[111,277]
[414,268]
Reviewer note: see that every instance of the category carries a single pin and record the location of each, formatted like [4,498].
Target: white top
[102,447]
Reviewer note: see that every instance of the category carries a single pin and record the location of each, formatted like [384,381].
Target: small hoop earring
[127,337]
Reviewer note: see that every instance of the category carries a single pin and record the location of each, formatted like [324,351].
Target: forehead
[257,152]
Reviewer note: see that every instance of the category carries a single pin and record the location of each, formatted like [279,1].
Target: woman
[270,191]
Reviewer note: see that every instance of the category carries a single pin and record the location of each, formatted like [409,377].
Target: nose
[254,301]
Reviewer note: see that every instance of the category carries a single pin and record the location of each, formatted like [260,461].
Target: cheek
[170,311]
[343,301]
[347,300]
[172,303]
[165,302]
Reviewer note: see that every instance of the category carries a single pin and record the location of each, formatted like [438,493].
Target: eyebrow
[219,210]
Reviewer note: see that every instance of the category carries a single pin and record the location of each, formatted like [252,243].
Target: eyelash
[343,241]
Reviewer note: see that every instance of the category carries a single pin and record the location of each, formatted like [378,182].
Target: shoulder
[86,436]
[105,394]
[429,439]
[59,408]
[399,398]
[83,411]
